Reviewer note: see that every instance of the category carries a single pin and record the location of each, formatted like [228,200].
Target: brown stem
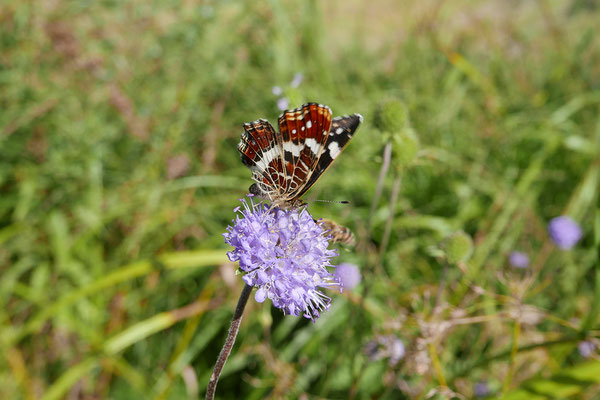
[229,341]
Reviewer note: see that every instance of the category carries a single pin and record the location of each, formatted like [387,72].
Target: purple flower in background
[586,349]
[481,389]
[564,232]
[276,90]
[385,346]
[518,259]
[284,254]
[283,103]
[297,80]
[348,275]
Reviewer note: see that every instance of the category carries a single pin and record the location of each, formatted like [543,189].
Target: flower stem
[229,341]
[388,224]
[387,157]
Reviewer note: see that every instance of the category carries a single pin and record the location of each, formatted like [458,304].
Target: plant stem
[388,224]
[387,157]
[229,341]
[437,366]
[513,355]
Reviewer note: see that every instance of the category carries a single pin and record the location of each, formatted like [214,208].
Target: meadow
[119,174]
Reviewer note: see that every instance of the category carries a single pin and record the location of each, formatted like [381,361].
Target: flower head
[481,389]
[586,349]
[564,232]
[459,247]
[283,103]
[388,346]
[518,259]
[284,254]
[348,275]
[276,90]
[297,80]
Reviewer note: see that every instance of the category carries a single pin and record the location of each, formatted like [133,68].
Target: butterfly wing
[304,132]
[342,130]
[261,150]
[287,163]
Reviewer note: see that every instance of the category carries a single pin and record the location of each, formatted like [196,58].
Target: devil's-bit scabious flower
[387,346]
[518,259]
[481,389]
[283,103]
[298,77]
[277,90]
[284,254]
[348,275]
[564,232]
[586,349]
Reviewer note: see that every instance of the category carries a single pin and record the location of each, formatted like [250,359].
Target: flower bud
[458,247]
[405,145]
[391,116]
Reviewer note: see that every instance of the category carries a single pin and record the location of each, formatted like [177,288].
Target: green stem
[513,355]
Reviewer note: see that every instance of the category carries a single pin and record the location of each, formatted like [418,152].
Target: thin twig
[387,158]
[513,355]
[229,341]
[388,225]
[437,366]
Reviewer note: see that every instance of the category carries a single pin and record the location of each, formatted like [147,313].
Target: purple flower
[481,389]
[348,275]
[385,346]
[283,103]
[518,259]
[284,254]
[276,90]
[297,80]
[585,349]
[564,232]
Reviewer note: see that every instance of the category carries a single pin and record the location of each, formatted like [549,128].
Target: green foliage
[119,171]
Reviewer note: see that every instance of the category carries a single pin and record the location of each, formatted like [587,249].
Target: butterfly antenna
[335,201]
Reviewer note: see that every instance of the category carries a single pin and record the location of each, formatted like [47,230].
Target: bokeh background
[119,122]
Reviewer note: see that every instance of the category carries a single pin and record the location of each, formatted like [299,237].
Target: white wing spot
[334,150]
[293,131]
[312,144]
[266,158]
[309,124]
[292,148]
[339,131]
[303,128]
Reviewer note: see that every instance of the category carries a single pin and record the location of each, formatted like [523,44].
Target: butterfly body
[285,164]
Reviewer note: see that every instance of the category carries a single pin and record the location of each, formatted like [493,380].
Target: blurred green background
[119,172]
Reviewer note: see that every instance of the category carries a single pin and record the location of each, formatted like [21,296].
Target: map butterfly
[285,164]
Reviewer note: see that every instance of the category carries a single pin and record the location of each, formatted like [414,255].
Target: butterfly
[287,163]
